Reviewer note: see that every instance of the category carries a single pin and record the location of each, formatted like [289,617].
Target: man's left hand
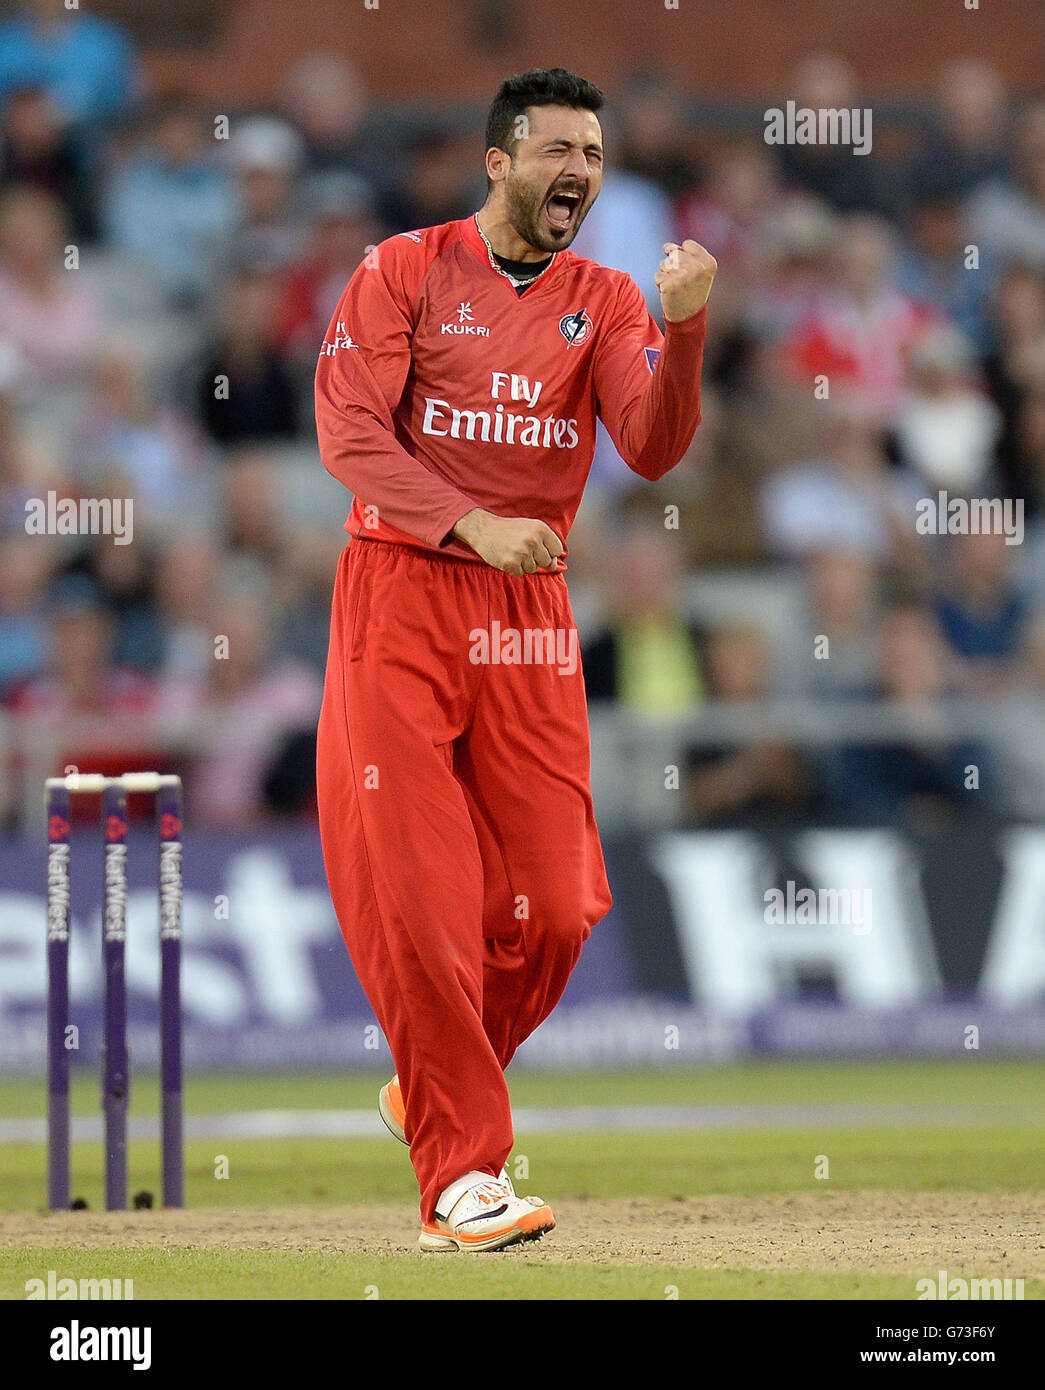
[684,278]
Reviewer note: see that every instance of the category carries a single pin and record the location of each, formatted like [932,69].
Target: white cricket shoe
[478,1212]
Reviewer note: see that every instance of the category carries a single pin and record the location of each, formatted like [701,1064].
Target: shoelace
[497,1190]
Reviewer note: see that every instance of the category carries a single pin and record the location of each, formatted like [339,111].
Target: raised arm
[648,384]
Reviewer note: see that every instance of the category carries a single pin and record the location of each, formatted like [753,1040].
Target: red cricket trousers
[458,832]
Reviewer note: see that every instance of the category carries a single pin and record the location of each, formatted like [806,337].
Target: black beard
[523,206]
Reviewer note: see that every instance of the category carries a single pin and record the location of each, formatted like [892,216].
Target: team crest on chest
[575,327]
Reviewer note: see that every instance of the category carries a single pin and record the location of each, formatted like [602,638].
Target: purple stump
[58,920]
[168,813]
[115,1066]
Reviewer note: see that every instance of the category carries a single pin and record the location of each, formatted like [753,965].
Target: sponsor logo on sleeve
[340,341]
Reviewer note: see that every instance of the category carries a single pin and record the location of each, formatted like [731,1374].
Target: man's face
[555,176]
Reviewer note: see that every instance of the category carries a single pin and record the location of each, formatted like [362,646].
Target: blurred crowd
[877,338]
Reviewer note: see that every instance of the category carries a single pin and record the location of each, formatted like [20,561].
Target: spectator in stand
[253,512]
[246,390]
[832,652]
[24,574]
[188,568]
[981,613]
[86,63]
[648,656]
[968,141]
[31,465]
[145,449]
[15,485]
[1006,216]
[1020,716]
[124,578]
[49,316]
[847,497]
[702,486]
[439,183]
[1014,378]
[860,331]
[307,561]
[1031,446]
[655,137]
[765,779]
[96,714]
[847,181]
[920,779]
[735,210]
[266,156]
[342,228]
[37,150]
[1032,436]
[799,242]
[933,267]
[172,207]
[82,677]
[325,98]
[947,426]
[250,706]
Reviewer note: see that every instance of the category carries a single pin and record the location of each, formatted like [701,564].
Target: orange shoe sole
[532,1226]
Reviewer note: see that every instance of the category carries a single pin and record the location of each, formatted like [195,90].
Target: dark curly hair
[538,87]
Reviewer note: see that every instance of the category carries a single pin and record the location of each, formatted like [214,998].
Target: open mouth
[562,208]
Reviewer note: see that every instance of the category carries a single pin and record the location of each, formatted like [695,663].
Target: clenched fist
[684,278]
[516,544]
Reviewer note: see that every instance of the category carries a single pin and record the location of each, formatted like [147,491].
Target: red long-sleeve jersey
[440,388]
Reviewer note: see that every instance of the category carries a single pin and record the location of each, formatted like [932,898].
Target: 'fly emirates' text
[500,425]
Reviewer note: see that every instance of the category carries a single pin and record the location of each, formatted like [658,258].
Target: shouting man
[456,397]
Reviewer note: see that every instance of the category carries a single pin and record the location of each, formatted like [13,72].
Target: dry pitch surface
[989,1234]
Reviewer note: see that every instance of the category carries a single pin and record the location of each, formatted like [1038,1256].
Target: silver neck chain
[500,269]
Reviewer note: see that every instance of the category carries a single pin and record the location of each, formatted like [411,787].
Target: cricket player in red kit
[456,397]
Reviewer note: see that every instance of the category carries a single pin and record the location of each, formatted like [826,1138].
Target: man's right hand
[516,544]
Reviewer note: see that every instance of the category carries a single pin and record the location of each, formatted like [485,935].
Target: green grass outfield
[991,1139]
[204,1274]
